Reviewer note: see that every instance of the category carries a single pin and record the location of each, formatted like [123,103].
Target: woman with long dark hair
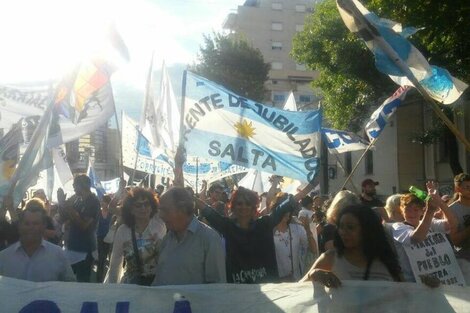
[137,240]
[362,251]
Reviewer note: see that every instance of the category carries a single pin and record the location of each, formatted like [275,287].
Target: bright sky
[41,39]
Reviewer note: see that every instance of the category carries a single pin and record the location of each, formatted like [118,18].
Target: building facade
[270,25]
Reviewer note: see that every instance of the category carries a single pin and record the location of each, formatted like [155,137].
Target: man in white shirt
[33,258]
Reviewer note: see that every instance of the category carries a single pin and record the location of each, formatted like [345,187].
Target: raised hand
[61,196]
[326,278]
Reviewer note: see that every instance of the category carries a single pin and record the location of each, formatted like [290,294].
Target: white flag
[290,104]
[61,164]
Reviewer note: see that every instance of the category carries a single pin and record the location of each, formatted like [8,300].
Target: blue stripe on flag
[245,153]
[304,122]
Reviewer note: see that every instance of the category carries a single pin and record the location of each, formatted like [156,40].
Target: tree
[230,61]
[348,77]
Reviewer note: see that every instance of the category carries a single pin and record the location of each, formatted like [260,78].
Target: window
[299,8]
[369,162]
[299,27]
[276,65]
[305,98]
[276,26]
[276,45]
[347,163]
[278,98]
[276,6]
[300,67]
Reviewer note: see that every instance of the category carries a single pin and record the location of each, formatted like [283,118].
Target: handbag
[139,279]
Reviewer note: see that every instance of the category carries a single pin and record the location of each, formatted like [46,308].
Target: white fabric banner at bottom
[353,296]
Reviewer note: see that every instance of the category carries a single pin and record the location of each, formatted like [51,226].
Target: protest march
[226,196]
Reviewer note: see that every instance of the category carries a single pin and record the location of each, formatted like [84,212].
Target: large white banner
[28,102]
[194,168]
[354,296]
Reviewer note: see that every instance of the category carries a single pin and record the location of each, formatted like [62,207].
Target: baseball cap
[369,181]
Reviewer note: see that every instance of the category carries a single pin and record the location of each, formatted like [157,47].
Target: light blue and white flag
[339,141]
[224,126]
[95,181]
[36,158]
[379,34]
[380,117]
[9,155]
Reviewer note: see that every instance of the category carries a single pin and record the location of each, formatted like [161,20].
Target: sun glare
[44,39]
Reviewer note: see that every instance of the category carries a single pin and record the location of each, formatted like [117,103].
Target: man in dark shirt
[81,212]
[368,196]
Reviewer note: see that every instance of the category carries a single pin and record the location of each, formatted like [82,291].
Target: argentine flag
[340,141]
[378,32]
[377,121]
[221,125]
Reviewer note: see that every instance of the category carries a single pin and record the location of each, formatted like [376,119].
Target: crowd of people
[157,237]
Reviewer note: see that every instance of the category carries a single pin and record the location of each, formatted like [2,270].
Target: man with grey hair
[191,252]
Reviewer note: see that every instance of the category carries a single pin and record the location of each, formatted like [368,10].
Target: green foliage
[348,78]
[444,30]
[233,63]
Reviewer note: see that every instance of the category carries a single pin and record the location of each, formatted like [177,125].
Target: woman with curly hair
[362,251]
[137,240]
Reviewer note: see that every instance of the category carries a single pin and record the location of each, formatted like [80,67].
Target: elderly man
[32,258]
[191,252]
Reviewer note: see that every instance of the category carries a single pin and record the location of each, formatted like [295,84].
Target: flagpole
[357,163]
[393,55]
[342,167]
[197,173]
[178,169]
[34,137]
[136,158]
[120,163]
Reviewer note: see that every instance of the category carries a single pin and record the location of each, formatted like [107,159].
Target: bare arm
[312,245]
[448,214]
[304,192]
[420,233]
[321,271]
[178,170]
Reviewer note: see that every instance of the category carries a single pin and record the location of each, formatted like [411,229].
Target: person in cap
[368,195]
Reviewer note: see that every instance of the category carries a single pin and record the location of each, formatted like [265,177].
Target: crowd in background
[175,236]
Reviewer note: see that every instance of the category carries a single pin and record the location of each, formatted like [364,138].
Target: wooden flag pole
[120,162]
[180,154]
[357,163]
[393,55]
[342,167]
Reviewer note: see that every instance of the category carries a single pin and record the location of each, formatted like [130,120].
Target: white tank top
[347,271]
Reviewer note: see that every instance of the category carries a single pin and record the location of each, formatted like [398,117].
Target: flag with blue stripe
[375,31]
[224,126]
[380,117]
[95,181]
[339,141]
